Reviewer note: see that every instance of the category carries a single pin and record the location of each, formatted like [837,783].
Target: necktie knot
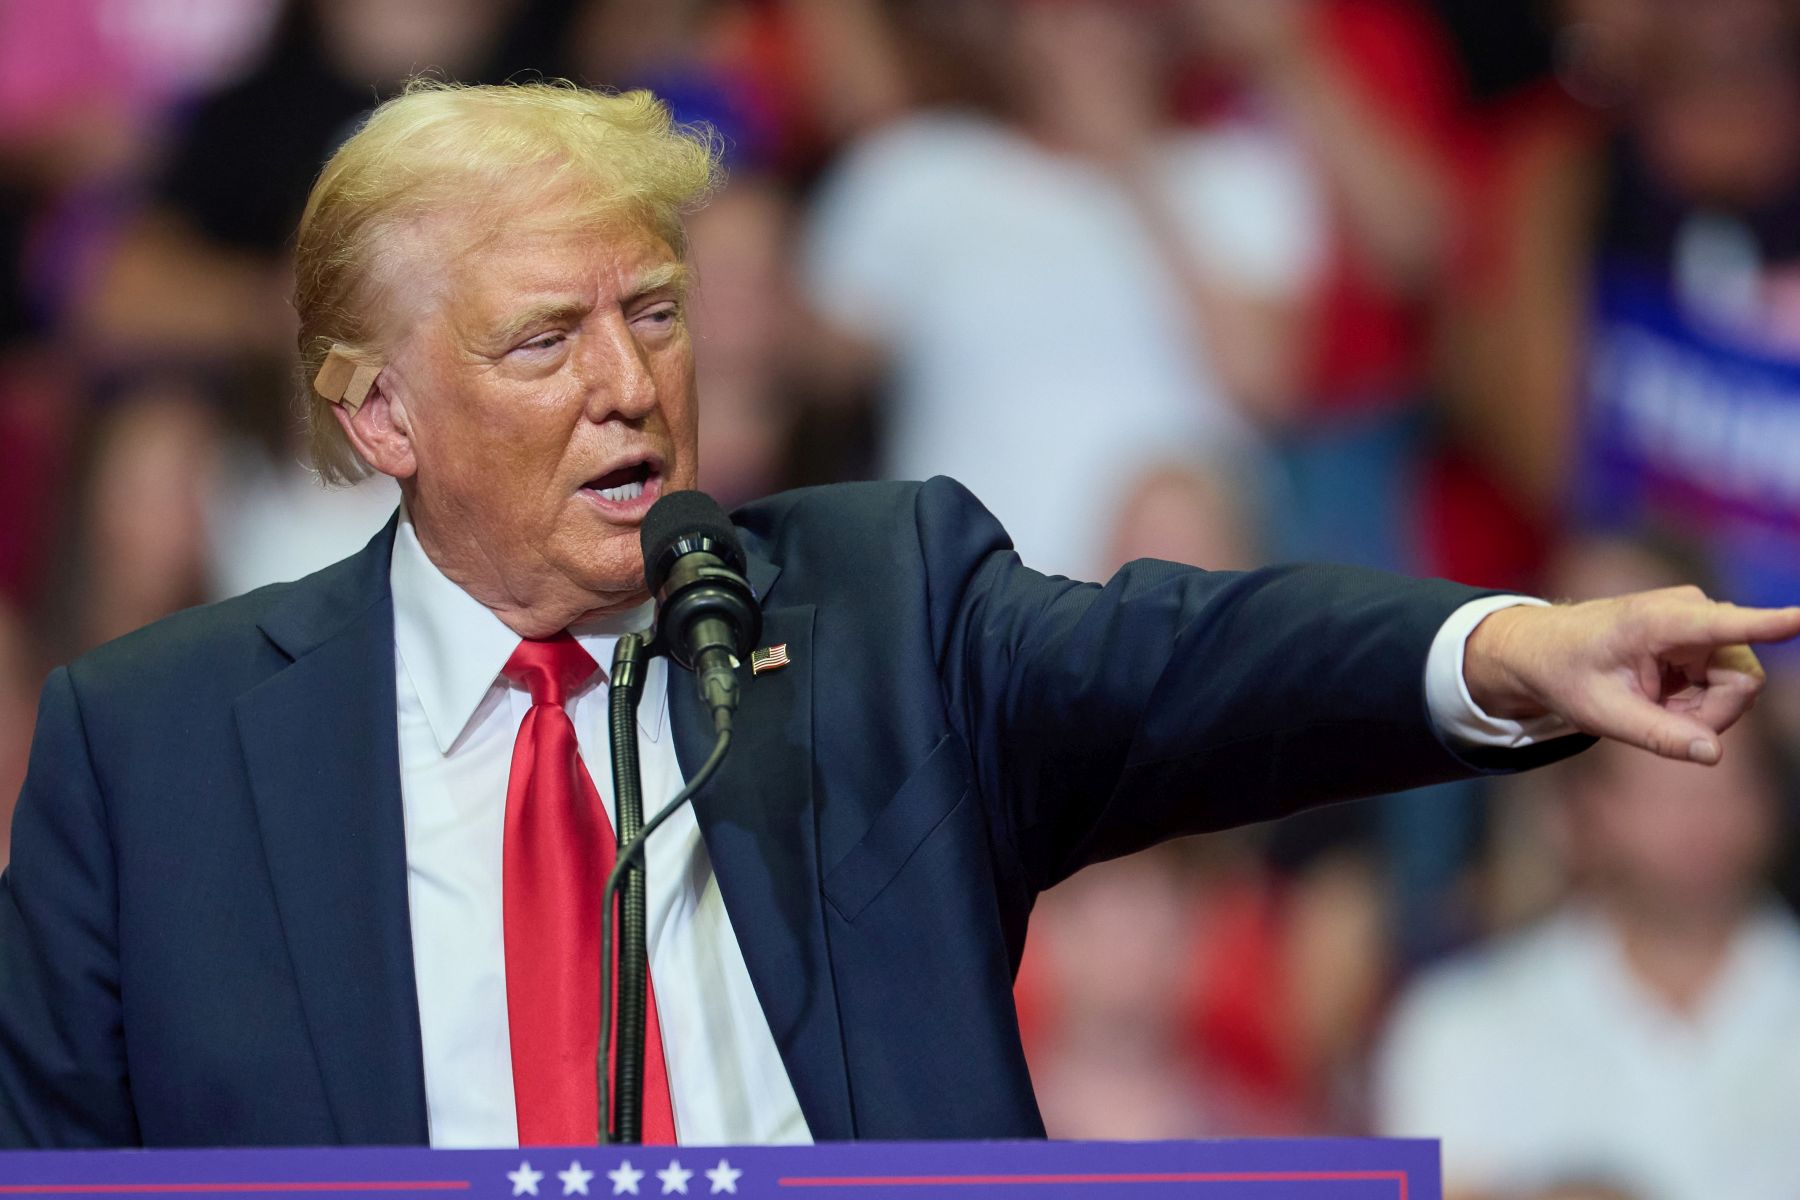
[550,668]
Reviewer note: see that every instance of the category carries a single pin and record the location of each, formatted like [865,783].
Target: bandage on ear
[343,380]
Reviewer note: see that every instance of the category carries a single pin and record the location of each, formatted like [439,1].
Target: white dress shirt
[458,719]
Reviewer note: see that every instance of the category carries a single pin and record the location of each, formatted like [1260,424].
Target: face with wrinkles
[538,400]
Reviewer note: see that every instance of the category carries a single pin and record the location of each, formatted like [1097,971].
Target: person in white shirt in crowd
[1062,288]
[1645,1035]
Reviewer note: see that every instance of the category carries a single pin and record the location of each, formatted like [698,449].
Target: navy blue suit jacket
[204,935]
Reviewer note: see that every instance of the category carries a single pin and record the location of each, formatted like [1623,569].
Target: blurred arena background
[1504,291]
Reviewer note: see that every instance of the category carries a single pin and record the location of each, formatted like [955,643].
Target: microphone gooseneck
[625,1122]
[629,867]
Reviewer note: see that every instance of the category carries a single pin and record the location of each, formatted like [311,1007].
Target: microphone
[707,620]
[707,616]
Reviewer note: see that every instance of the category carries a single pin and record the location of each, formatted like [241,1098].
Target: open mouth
[624,484]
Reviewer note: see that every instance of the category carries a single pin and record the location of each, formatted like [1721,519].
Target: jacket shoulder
[832,506]
[182,641]
[866,525]
[229,645]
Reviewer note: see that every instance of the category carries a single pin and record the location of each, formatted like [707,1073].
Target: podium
[1250,1169]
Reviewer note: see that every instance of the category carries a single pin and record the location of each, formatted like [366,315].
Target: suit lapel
[319,738]
[758,819]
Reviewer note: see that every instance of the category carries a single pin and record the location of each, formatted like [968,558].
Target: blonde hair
[440,148]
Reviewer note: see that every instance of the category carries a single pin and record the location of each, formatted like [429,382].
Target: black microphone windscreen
[680,523]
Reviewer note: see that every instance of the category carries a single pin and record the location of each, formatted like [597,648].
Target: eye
[546,342]
[661,316]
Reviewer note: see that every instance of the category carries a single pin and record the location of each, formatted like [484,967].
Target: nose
[617,372]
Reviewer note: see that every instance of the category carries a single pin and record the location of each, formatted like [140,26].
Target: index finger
[1720,624]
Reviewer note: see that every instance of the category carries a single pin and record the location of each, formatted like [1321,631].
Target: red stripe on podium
[1398,1177]
[121,1189]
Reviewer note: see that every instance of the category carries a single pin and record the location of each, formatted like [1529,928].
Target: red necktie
[559,848]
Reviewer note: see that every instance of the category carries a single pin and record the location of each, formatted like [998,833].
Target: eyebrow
[657,278]
[544,312]
[558,312]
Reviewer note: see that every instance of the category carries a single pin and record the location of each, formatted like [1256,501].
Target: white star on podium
[525,1180]
[575,1180]
[625,1178]
[674,1177]
[724,1177]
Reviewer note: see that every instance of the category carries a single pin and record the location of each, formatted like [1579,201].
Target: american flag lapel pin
[769,658]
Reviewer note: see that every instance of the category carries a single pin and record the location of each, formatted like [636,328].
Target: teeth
[625,491]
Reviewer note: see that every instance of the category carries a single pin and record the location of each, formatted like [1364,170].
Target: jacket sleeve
[63,1078]
[1102,718]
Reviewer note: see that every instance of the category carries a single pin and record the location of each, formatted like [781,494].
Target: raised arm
[1103,718]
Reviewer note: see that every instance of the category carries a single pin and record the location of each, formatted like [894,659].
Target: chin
[613,578]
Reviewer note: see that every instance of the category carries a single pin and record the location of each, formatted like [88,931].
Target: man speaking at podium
[322,864]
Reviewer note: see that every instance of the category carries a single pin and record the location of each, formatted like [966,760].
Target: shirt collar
[453,647]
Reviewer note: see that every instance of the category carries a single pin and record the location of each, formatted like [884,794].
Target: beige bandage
[343,380]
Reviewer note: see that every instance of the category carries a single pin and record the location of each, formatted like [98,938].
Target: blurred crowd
[1506,292]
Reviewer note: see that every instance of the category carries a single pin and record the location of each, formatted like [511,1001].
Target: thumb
[1632,719]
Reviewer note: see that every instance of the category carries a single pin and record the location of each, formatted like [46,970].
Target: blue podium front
[1323,1169]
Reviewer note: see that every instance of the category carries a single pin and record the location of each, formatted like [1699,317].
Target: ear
[381,428]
